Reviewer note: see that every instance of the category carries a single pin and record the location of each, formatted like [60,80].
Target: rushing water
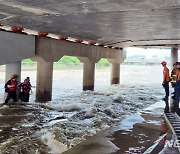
[73,115]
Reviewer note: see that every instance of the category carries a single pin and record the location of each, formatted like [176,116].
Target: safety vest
[24,88]
[173,76]
[13,84]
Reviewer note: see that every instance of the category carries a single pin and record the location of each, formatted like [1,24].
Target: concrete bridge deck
[91,28]
[113,22]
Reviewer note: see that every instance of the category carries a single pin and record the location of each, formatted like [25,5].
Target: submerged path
[138,133]
[23,125]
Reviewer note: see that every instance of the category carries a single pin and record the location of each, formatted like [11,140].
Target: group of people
[175,82]
[17,91]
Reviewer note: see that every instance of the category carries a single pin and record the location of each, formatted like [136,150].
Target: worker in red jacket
[24,89]
[10,88]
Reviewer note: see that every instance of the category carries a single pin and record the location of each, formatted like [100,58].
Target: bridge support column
[44,81]
[13,68]
[88,75]
[115,73]
[174,56]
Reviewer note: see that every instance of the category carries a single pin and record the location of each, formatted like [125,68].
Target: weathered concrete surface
[106,21]
[15,47]
[174,56]
[88,75]
[52,50]
[44,81]
[13,68]
[115,73]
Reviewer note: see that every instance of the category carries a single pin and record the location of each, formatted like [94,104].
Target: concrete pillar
[115,73]
[174,56]
[88,75]
[44,81]
[13,68]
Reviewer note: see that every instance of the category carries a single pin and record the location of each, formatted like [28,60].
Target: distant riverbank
[64,63]
[67,61]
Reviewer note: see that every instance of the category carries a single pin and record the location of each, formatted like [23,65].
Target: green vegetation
[27,61]
[103,62]
[68,61]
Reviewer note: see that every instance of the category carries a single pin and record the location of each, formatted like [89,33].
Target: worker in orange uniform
[10,88]
[166,80]
[177,89]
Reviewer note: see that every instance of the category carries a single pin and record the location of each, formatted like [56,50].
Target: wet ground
[22,127]
[74,116]
[136,134]
[19,124]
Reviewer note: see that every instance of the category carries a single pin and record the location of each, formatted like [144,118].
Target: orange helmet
[13,76]
[163,63]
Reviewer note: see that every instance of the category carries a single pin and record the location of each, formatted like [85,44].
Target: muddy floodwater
[74,116]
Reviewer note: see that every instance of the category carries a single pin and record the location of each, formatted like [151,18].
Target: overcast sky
[149,52]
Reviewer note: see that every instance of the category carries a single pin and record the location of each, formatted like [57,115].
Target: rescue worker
[30,86]
[173,75]
[24,89]
[177,89]
[10,88]
[166,80]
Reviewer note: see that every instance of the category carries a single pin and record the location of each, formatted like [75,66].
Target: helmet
[177,63]
[13,76]
[163,63]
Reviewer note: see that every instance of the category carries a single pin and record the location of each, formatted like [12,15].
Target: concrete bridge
[94,29]
[17,45]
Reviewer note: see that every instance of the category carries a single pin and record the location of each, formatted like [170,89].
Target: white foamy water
[88,112]
[128,123]
[55,146]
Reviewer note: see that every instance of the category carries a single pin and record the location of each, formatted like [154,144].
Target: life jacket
[178,75]
[24,88]
[166,74]
[12,83]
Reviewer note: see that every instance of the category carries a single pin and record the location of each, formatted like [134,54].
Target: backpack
[6,88]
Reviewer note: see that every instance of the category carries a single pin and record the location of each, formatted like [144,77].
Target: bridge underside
[122,23]
[107,22]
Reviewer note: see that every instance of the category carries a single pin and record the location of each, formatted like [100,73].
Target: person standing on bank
[177,89]
[166,80]
[10,88]
[173,76]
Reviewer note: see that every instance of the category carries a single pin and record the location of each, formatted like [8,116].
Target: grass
[68,61]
